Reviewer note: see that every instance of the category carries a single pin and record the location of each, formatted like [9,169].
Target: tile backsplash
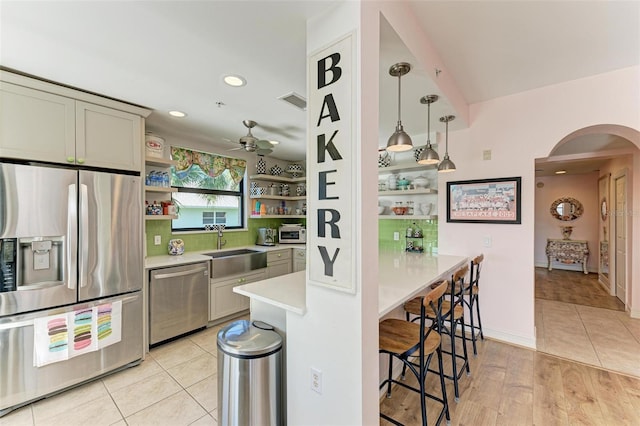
[207,240]
[386,228]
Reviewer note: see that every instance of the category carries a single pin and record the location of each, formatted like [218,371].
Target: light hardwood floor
[510,385]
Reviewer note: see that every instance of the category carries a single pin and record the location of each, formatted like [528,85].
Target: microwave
[292,234]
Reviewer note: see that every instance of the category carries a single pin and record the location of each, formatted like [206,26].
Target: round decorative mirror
[566,208]
[603,209]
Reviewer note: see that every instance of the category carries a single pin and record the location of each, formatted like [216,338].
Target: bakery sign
[331,165]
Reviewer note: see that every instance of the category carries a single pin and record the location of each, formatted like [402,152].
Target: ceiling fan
[252,144]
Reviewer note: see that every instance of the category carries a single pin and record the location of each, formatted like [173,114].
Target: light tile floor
[175,385]
[595,336]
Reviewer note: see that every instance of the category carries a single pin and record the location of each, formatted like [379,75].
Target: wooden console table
[567,251]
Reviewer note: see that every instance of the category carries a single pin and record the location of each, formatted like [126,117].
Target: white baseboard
[527,342]
[634,313]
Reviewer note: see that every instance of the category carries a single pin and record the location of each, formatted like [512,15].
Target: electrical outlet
[396,236]
[486,241]
[157,240]
[486,154]
[316,380]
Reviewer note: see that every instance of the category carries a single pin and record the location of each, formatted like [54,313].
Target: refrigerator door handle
[84,235]
[72,236]
[16,324]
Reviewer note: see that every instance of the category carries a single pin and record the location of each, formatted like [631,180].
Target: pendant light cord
[399,96]
[446,139]
[428,125]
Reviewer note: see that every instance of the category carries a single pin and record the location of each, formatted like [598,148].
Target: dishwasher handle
[179,274]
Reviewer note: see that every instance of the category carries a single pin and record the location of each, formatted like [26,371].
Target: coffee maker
[266,237]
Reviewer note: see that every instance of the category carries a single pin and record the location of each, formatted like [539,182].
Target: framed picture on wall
[484,201]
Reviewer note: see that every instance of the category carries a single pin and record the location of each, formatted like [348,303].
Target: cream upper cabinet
[36,125]
[41,121]
[108,138]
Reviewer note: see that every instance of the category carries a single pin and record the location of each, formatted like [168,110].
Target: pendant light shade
[446,165]
[428,155]
[399,140]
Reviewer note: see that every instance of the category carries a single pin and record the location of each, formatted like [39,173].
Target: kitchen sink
[232,262]
[227,253]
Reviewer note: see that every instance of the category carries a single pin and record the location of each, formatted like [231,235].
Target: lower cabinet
[299,259]
[224,301]
[278,263]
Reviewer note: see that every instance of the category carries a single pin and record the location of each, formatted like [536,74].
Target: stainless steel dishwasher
[178,300]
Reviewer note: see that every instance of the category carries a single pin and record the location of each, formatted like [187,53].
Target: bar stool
[471,300]
[453,314]
[402,339]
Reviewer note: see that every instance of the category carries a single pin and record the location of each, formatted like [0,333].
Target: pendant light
[428,154]
[399,140]
[446,165]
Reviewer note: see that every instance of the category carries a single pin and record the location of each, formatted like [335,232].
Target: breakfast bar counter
[401,277]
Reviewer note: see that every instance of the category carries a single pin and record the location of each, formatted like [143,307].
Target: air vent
[296,100]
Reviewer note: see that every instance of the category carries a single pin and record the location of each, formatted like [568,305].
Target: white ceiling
[172,55]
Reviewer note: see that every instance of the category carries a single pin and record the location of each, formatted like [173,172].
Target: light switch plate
[157,240]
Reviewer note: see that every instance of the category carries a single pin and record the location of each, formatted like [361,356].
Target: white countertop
[401,277]
[286,291]
[163,261]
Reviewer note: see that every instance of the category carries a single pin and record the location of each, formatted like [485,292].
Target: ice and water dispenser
[31,262]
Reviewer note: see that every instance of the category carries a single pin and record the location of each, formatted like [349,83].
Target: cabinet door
[224,301]
[299,259]
[276,269]
[36,125]
[108,138]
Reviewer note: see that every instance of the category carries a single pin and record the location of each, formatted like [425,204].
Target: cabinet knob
[71,159]
[279,255]
[80,160]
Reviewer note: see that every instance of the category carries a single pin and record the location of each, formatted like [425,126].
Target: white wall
[583,188]
[338,334]
[518,129]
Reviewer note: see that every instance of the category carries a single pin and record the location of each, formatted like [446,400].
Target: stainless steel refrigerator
[70,240]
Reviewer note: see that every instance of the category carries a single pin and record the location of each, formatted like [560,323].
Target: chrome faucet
[219,229]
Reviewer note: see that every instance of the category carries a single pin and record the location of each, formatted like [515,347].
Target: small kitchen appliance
[292,233]
[266,237]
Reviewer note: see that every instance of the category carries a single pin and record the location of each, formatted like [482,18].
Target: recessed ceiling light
[235,80]
[177,114]
[274,142]
[561,172]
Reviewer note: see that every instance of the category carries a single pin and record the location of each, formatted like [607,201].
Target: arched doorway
[593,160]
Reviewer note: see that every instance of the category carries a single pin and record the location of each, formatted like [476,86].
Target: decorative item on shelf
[284,189]
[410,210]
[256,191]
[409,231]
[301,189]
[261,165]
[304,208]
[381,210]
[399,209]
[392,182]
[425,208]
[421,182]
[566,232]
[384,158]
[428,155]
[417,152]
[154,209]
[295,170]
[446,165]
[176,247]
[382,186]
[273,189]
[403,183]
[399,140]
[417,231]
[154,145]
[275,170]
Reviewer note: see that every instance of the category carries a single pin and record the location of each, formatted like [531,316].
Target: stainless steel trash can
[249,375]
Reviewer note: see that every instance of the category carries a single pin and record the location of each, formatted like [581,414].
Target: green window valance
[195,165]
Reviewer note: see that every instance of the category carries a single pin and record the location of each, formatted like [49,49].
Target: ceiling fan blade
[261,151]
[264,144]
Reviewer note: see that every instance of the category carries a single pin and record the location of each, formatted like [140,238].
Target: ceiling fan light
[399,141]
[234,80]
